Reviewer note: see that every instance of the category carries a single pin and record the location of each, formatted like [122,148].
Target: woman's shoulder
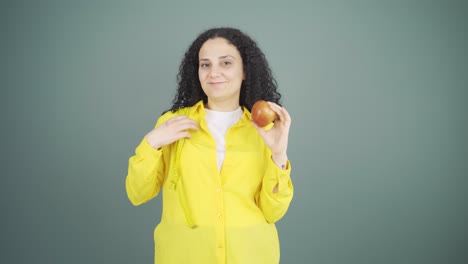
[168,114]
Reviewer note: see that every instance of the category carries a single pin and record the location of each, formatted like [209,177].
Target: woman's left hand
[276,138]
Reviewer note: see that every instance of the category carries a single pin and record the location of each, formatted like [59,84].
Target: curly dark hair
[258,84]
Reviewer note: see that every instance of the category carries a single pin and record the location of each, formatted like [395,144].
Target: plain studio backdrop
[377,91]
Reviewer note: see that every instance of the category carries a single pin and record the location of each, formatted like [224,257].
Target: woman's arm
[146,170]
[277,190]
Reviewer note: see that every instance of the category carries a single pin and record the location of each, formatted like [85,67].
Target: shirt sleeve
[145,173]
[275,205]
[146,170]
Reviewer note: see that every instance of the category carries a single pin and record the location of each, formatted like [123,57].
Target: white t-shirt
[218,124]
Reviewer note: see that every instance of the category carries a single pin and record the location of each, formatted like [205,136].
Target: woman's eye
[227,63]
[204,65]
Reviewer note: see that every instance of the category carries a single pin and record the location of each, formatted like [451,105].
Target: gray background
[377,91]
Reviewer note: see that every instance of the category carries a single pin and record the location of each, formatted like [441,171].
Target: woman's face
[221,73]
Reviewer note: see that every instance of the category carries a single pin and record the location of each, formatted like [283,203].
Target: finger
[183,120]
[272,104]
[283,114]
[181,134]
[184,134]
[287,117]
[277,109]
[178,119]
[189,121]
[186,126]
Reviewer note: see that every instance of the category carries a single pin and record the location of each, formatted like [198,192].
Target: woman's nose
[215,72]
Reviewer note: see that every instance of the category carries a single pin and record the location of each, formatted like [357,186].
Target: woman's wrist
[280,160]
[152,142]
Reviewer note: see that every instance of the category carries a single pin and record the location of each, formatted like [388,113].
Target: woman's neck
[222,106]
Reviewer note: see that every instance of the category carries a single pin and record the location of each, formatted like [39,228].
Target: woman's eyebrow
[224,57]
[220,57]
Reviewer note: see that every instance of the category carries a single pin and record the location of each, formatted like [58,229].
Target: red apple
[262,114]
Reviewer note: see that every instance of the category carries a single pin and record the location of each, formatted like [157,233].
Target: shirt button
[220,215]
[218,190]
[220,245]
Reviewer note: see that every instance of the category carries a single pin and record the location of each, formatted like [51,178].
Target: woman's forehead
[218,47]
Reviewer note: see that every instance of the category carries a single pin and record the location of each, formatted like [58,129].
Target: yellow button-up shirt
[211,216]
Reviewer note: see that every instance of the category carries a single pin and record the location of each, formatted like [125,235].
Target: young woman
[225,181]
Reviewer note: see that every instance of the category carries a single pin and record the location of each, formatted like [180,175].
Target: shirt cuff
[147,151]
[277,176]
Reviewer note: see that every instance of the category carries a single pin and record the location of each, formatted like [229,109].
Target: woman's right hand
[170,131]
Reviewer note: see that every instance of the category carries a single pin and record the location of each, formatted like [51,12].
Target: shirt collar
[199,110]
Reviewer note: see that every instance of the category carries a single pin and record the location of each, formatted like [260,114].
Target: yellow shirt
[212,216]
